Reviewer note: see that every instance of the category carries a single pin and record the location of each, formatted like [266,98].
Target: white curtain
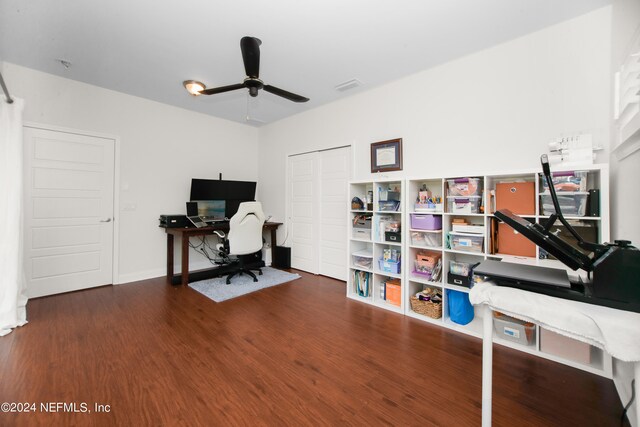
[13,301]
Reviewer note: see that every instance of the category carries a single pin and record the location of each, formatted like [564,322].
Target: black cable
[626,408]
[216,258]
[191,245]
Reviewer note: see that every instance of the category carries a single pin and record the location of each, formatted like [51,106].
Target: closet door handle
[106,220]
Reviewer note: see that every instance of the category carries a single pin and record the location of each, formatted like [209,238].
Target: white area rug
[217,289]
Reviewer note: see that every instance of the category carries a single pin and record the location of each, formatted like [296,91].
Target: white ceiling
[147,48]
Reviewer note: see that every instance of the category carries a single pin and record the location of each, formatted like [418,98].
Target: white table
[556,314]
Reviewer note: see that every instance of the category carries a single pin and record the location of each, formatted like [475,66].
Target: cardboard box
[518,197]
[427,259]
[393,292]
[510,242]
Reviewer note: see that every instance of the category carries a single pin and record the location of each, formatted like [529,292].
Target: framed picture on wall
[386,156]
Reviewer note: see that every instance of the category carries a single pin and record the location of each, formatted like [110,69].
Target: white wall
[625,174]
[493,110]
[161,149]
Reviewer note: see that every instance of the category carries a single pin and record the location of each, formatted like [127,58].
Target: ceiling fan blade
[250,47]
[283,93]
[221,89]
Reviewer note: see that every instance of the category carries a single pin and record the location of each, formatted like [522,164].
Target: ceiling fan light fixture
[193,87]
[250,47]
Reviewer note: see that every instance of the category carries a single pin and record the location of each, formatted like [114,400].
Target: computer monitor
[211,210]
[218,189]
[231,192]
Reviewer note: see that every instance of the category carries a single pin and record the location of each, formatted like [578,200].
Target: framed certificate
[386,156]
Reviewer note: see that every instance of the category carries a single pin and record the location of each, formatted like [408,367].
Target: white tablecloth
[615,331]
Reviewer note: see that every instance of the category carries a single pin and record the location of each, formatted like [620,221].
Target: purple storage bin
[424,274]
[426,222]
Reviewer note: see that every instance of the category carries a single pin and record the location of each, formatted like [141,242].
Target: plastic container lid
[363,254]
[460,180]
[457,233]
[566,193]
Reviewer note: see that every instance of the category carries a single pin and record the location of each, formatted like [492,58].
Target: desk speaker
[593,208]
[281,257]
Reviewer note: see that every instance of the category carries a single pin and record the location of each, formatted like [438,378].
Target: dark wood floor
[295,354]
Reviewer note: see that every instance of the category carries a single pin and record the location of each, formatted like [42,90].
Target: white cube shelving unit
[375,245]
[597,178]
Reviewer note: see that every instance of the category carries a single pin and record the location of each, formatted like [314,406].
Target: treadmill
[613,269]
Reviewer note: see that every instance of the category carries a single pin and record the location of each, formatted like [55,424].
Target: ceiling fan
[250,47]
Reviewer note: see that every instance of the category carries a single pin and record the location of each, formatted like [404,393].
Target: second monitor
[231,193]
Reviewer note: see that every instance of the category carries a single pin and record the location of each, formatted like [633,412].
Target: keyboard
[197,221]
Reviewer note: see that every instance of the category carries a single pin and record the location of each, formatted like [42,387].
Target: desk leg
[487,364]
[185,261]
[169,257]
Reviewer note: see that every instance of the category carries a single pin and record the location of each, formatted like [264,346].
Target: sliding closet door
[334,174]
[303,211]
[317,211]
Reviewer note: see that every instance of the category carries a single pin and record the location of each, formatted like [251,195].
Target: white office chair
[245,235]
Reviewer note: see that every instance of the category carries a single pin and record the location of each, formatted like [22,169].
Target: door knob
[106,220]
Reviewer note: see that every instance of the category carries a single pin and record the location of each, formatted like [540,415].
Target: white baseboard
[140,275]
[159,272]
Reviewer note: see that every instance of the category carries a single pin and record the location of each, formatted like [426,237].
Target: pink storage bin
[464,187]
[426,222]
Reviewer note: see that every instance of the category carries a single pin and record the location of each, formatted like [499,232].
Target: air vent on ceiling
[350,84]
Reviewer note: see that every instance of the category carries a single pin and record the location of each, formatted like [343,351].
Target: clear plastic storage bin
[571,204]
[432,239]
[566,181]
[460,268]
[466,242]
[465,204]
[512,329]
[422,270]
[464,187]
[365,262]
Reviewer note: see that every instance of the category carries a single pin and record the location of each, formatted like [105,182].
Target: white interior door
[69,191]
[334,174]
[303,208]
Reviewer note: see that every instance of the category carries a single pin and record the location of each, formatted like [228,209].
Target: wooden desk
[186,233]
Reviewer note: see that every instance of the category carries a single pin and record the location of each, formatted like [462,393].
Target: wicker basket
[426,308]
